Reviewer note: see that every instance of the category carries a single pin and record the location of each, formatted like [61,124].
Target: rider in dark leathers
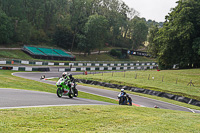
[126,96]
[72,79]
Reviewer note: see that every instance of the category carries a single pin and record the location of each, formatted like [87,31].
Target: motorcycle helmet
[122,90]
[70,76]
[64,74]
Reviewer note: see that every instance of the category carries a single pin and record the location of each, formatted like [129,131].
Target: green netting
[34,50]
[62,53]
[48,51]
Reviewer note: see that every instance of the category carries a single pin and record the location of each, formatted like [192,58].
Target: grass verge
[98,119]
[170,81]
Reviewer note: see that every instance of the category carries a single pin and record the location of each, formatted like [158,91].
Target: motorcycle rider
[67,79]
[123,93]
[71,78]
[64,75]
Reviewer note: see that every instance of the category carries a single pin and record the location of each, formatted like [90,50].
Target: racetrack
[138,100]
[15,98]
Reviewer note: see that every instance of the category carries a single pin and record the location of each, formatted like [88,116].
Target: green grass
[111,118]
[168,85]
[123,119]
[18,54]
[107,57]
[9,81]
[14,54]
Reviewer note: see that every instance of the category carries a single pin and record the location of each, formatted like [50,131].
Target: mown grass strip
[98,119]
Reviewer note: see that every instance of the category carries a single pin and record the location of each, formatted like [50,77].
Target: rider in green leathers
[67,79]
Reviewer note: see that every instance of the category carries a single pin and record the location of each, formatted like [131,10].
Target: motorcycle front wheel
[130,102]
[120,100]
[59,92]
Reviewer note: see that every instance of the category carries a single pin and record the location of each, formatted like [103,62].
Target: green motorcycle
[65,88]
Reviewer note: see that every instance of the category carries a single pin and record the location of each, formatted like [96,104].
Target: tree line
[72,24]
[178,41]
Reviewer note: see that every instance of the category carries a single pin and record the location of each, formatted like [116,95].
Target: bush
[116,53]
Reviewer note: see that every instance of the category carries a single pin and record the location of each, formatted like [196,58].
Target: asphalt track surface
[10,98]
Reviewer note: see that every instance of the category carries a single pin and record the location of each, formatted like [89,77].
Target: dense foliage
[71,24]
[178,42]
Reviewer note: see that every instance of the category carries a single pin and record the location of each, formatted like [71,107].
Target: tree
[41,20]
[83,46]
[139,31]
[178,40]
[96,30]
[23,31]
[78,12]
[153,46]
[63,37]
[6,28]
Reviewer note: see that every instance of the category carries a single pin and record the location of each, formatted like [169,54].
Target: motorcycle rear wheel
[75,92]
[71,94]
[59,92]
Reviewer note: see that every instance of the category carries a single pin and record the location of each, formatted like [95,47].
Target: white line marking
[46,106]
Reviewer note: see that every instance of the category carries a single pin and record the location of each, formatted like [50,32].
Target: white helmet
[122,90]
[64,74]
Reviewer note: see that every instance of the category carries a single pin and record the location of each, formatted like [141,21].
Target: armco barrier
[94,64]
[105,68]
[144,91]
[43,69]
[14,68]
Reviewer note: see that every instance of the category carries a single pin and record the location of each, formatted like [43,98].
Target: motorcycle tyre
[120,101]
[71,94]
[130,102]
[125,101]
[75,92]
[59,92]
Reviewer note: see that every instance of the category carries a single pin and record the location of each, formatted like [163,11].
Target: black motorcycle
[124,99]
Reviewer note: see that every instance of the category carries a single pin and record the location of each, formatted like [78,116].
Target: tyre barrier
[42,69]
[89,64]
[5,68]
[105,68]
[144,91]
